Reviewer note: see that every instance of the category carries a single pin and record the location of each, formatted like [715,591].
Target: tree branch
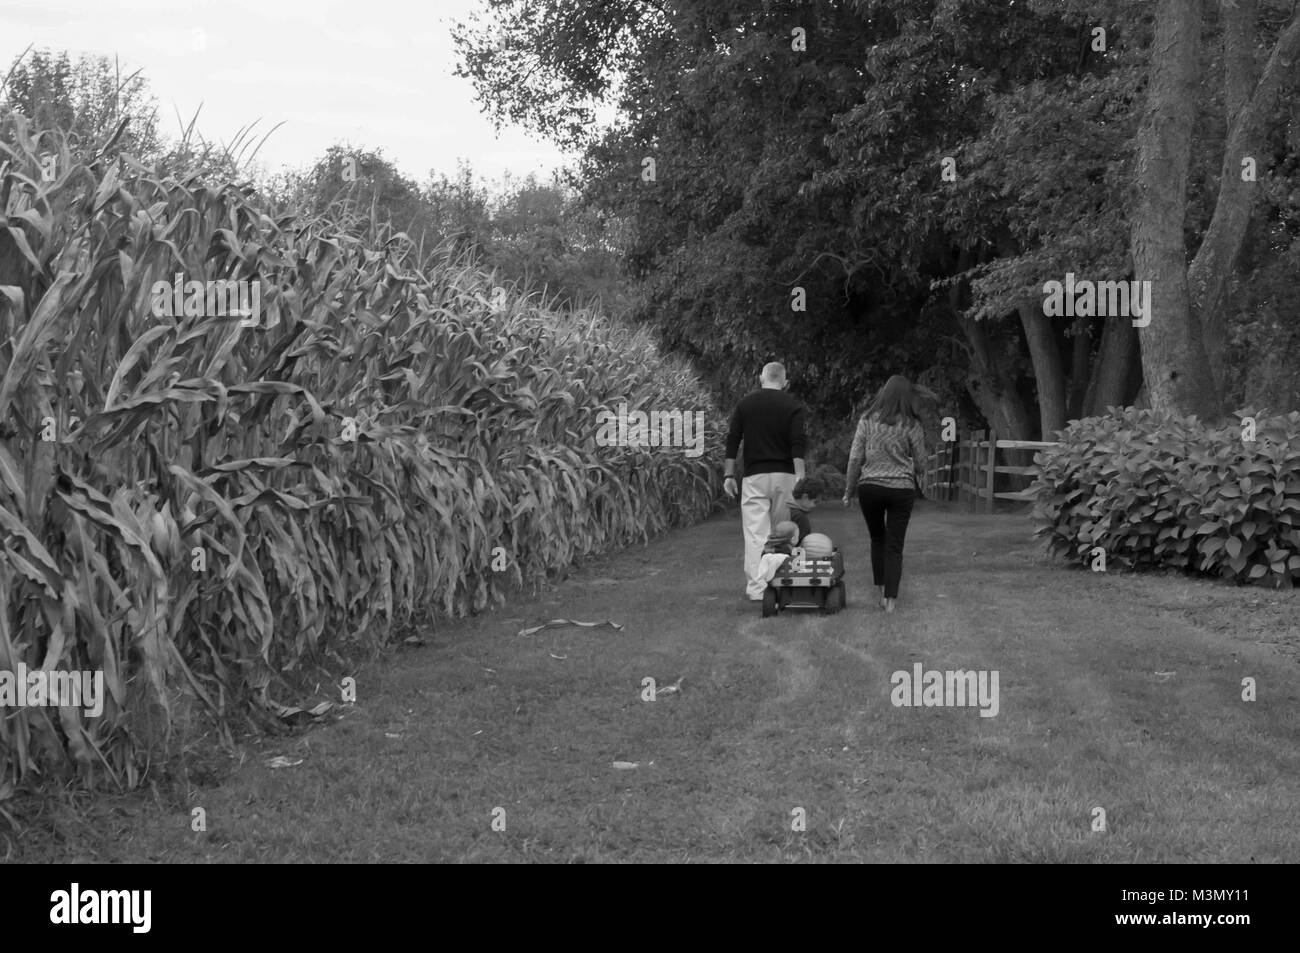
[1209,272]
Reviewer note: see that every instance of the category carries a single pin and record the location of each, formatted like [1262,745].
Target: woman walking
[885,464]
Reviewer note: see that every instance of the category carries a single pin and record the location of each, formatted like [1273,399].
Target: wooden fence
[967,470]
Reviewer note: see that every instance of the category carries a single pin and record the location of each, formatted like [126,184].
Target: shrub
[822,482]
[1159,490]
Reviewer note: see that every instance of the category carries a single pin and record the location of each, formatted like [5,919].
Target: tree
[729,239]
[917,169]
[1183,349]
[88,98]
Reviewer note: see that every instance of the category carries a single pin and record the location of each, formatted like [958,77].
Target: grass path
[788,713]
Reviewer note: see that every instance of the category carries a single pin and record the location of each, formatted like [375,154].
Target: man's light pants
[764,502]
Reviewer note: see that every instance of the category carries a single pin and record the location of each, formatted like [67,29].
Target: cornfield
[196,505]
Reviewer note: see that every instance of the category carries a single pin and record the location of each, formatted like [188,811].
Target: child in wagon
[788,532]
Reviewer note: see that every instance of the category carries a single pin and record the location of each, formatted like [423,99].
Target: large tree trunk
[1239,72]
[990,383]
[1177,372]
[1248,105]
[1080,362]
[1111,384]
[992,386]
[1046,357]
[1137,383]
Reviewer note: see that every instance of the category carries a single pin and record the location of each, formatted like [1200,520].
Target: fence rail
[967,470]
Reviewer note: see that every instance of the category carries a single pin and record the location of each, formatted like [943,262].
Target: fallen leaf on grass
[628,765]
[293,713]
[554,656]
[556,623]
[389,734]
[280,761]
[669,689]
[413,640]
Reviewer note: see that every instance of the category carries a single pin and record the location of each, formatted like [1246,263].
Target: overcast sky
[370,73]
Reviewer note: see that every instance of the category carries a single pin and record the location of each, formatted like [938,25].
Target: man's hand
[729,486]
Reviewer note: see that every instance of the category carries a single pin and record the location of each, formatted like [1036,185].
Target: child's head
[813,488]
[788,530]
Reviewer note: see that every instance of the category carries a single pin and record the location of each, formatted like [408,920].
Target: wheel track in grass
[799,674]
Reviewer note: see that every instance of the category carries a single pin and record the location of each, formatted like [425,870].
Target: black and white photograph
[650,432]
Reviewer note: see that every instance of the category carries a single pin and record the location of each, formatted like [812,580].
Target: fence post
[954,456]
[972,469]
[963,451]
[992,467]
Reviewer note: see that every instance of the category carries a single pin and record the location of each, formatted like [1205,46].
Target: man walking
[771,424]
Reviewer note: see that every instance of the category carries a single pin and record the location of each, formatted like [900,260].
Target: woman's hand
[729,490]
[846,501]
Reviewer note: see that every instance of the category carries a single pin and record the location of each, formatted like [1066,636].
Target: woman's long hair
[896,403]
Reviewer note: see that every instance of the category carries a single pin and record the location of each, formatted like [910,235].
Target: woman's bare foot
[889,605]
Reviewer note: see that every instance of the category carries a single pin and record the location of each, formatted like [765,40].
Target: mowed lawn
[1118,692]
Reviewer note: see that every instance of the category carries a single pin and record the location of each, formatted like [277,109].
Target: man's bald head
[773,375]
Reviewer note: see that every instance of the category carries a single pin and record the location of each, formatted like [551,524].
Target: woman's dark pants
[887,511]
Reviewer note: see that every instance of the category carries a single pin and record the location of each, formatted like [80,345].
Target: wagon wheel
[769,603]
[831,601]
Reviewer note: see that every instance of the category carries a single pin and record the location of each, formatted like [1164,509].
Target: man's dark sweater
[770,422]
